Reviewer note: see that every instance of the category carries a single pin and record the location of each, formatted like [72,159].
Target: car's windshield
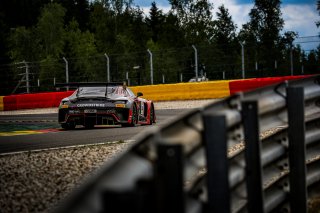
[101,91]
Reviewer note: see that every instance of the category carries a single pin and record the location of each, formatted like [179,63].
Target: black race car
[104,104]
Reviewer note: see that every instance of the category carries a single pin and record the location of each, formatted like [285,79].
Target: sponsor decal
[90,111]
[120,105]
[91,105]
[141,108]
[64,106]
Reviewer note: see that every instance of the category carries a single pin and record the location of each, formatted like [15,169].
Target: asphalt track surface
[42,131]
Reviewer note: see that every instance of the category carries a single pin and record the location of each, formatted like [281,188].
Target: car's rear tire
[151,115]
[68,126]
[89,125]
[134,119]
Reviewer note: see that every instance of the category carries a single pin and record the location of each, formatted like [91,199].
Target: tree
[195,17]
[82,49]
[172,35]
[51,35]
[15,14]
[103,25]
[199,26]
[155,21]
[262,33]
[23,44]
[225,29]
[50,28]
[78,10]
[225,40]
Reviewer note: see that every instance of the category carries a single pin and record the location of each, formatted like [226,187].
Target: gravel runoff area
[36,181]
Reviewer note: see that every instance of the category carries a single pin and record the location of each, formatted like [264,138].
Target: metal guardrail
[192,165]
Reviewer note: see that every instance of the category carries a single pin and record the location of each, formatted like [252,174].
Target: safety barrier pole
[252,156]
[169,181]
[297,147]
[215,140]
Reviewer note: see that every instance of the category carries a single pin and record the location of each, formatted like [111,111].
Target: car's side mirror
[139,94]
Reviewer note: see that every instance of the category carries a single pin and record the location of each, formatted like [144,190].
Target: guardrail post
[297,150]
[169,179]
[215,139]
[252,157]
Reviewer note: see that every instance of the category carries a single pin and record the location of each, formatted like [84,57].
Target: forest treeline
[42,32]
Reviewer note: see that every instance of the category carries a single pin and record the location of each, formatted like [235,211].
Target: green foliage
[155,21]
[23,44]
[226,43]
[50,29]
[82,47]
[76,9]
[82,31]
[262,34]
[195,18]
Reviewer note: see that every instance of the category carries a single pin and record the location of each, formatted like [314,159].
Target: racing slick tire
[89,125]
[134,119]
[151,115]
[68,126]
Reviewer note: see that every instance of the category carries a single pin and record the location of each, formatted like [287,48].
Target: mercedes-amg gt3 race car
[104,104]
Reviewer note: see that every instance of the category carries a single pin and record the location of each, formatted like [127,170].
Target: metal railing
[252,152]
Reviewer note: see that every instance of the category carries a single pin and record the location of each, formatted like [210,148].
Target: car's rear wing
[88,84]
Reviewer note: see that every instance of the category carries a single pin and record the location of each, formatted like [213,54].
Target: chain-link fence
[157,67]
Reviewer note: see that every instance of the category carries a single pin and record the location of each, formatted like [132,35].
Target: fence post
[297,150]
[169,179]
[67,71]
[242,59]
[108,67]
[27,76]
[151,66]
[252,157]
[195,61]
[291,61]
[127,78]
[215,139]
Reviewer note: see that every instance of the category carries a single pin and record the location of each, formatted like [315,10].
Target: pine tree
[225,29]
[76,9]
[262,33]
[155,21]
[225,41]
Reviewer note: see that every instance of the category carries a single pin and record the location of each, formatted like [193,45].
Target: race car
[104,104]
